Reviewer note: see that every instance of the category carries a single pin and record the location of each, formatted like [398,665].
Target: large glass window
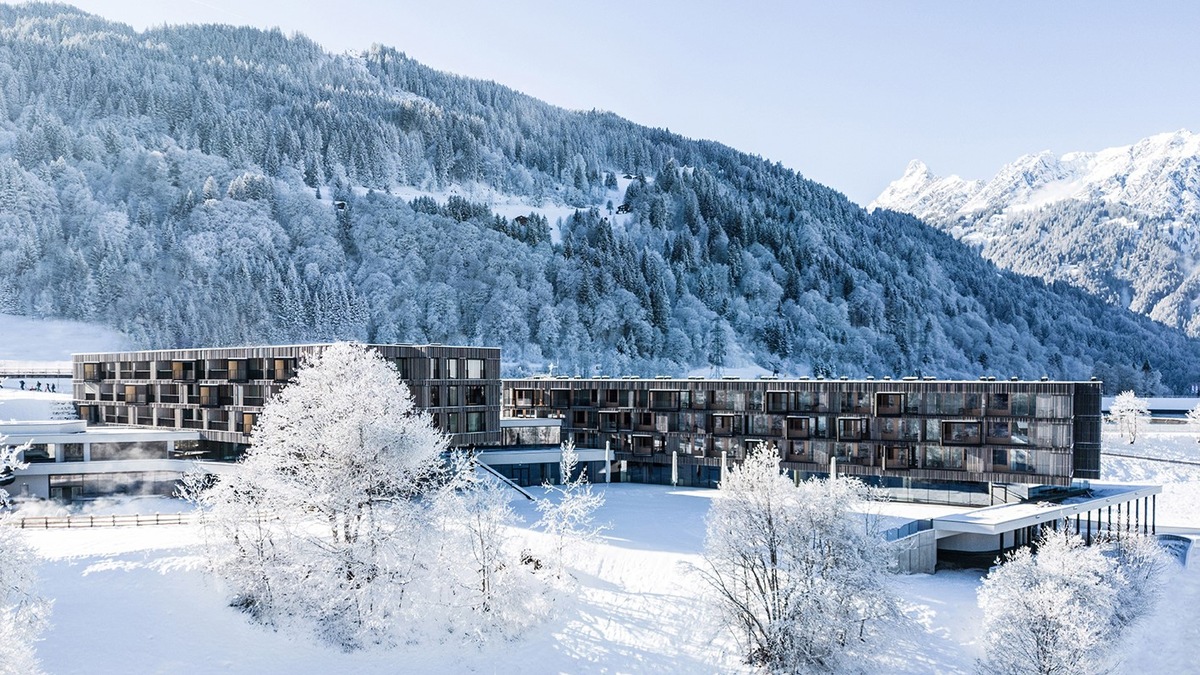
[453,399]
[452,423]
[475,421]
[475,369]
[435,398]
[452,369]
[937,457]
[851,428]
[960,433]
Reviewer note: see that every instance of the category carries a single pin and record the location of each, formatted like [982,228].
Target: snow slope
[24,338]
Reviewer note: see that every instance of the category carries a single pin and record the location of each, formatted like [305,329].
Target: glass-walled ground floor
[707,473]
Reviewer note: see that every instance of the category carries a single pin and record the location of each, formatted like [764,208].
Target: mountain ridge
[1120,223]
[221,185]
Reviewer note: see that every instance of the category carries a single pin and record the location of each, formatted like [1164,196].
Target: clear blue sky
[844,92]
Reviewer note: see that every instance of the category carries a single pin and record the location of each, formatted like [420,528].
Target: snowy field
[134,600]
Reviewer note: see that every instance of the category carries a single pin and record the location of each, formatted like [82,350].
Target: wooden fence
[113,520]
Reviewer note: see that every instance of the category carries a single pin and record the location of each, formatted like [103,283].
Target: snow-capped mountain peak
[1121,222]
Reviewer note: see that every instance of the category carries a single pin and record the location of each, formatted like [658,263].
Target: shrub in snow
[799,579]
[1127,411]
[568,511]
[330,517]
[1061,610]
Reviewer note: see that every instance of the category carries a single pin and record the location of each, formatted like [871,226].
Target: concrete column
[87,452]
[56,450]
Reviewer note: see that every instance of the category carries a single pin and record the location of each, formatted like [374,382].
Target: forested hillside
[217,185]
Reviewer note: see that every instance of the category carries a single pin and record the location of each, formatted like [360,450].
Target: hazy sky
[845,92]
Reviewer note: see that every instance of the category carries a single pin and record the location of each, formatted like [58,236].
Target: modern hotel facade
[220,392]
[914,434]
[925,440]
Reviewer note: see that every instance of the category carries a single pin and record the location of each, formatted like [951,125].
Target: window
[183,370]
[237,370]
[38,453]
[851,428]
[777,401]
[435,369]
[452,398]
[209,397]
[960,433]
[248,420]
[943,458]
[797,427]
[435,399]
[283,370]
[72,452]
[888,403]
[475,369]
[452,423]
[1020,433]
[475,422]
[476,395]
[451,369]
[91,372]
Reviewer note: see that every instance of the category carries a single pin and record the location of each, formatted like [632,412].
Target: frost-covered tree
[481,581]
[1127,411]
[568,510]
[321,520]
[1193,417]
[800,578]
[1061,610]
[23,613]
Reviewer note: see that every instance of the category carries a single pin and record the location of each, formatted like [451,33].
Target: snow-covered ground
[135,600]
[1179,503]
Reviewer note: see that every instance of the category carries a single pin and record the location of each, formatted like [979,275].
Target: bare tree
[568,510]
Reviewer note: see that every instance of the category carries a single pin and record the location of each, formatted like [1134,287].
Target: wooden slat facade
[220,391]
[1035,432]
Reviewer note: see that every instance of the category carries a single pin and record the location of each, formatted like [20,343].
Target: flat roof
[75,356]
[790,380]
[1009,517]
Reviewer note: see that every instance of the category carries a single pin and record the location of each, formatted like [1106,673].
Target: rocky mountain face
[1120,223]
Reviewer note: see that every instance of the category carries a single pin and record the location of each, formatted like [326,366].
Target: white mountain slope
[1120,223]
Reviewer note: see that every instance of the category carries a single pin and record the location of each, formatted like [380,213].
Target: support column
[1154,514]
